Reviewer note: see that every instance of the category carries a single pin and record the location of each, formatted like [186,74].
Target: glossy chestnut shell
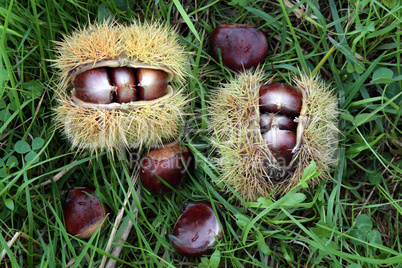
[196,230]
[170,163]
[83,213]
[124,80]
[280,98]
[94,86]
[105,85]
[241,46]
[152,84]
[280,143]
[267,121]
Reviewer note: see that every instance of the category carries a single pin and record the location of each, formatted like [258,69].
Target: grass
[351,220]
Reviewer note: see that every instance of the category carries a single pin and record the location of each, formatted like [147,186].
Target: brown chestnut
[280,143]
[280,98]
[267,121]
[169,163]
[152,83]
[196,230]
[84,213]
[94,86]
[124,79]
[242,46]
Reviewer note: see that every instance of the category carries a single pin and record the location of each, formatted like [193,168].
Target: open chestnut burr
[83,212]
[116,81]
[241,46]
[197,230]
[170,163]
[266,135]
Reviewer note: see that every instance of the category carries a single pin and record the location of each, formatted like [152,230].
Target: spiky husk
[143,125]
[244,161]
[134,125]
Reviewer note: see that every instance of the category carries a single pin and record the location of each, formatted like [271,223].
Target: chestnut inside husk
[284,102]
[120,86]
[266,135]
[125,81]
[281,143]
[268,120]
[281,99]
[105,85]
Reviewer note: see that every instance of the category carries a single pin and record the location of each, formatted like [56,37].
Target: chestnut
[280,98]
[267,121]
[94,86]
[83,213]
[242,46]
[280,143]
[196,230]
[152,83]
[124,79]
[169,163]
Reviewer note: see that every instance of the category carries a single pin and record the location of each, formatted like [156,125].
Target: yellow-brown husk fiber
[243,159]
[135,124]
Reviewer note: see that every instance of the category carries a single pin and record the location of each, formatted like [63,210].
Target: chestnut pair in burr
[120,84]
[280,106]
